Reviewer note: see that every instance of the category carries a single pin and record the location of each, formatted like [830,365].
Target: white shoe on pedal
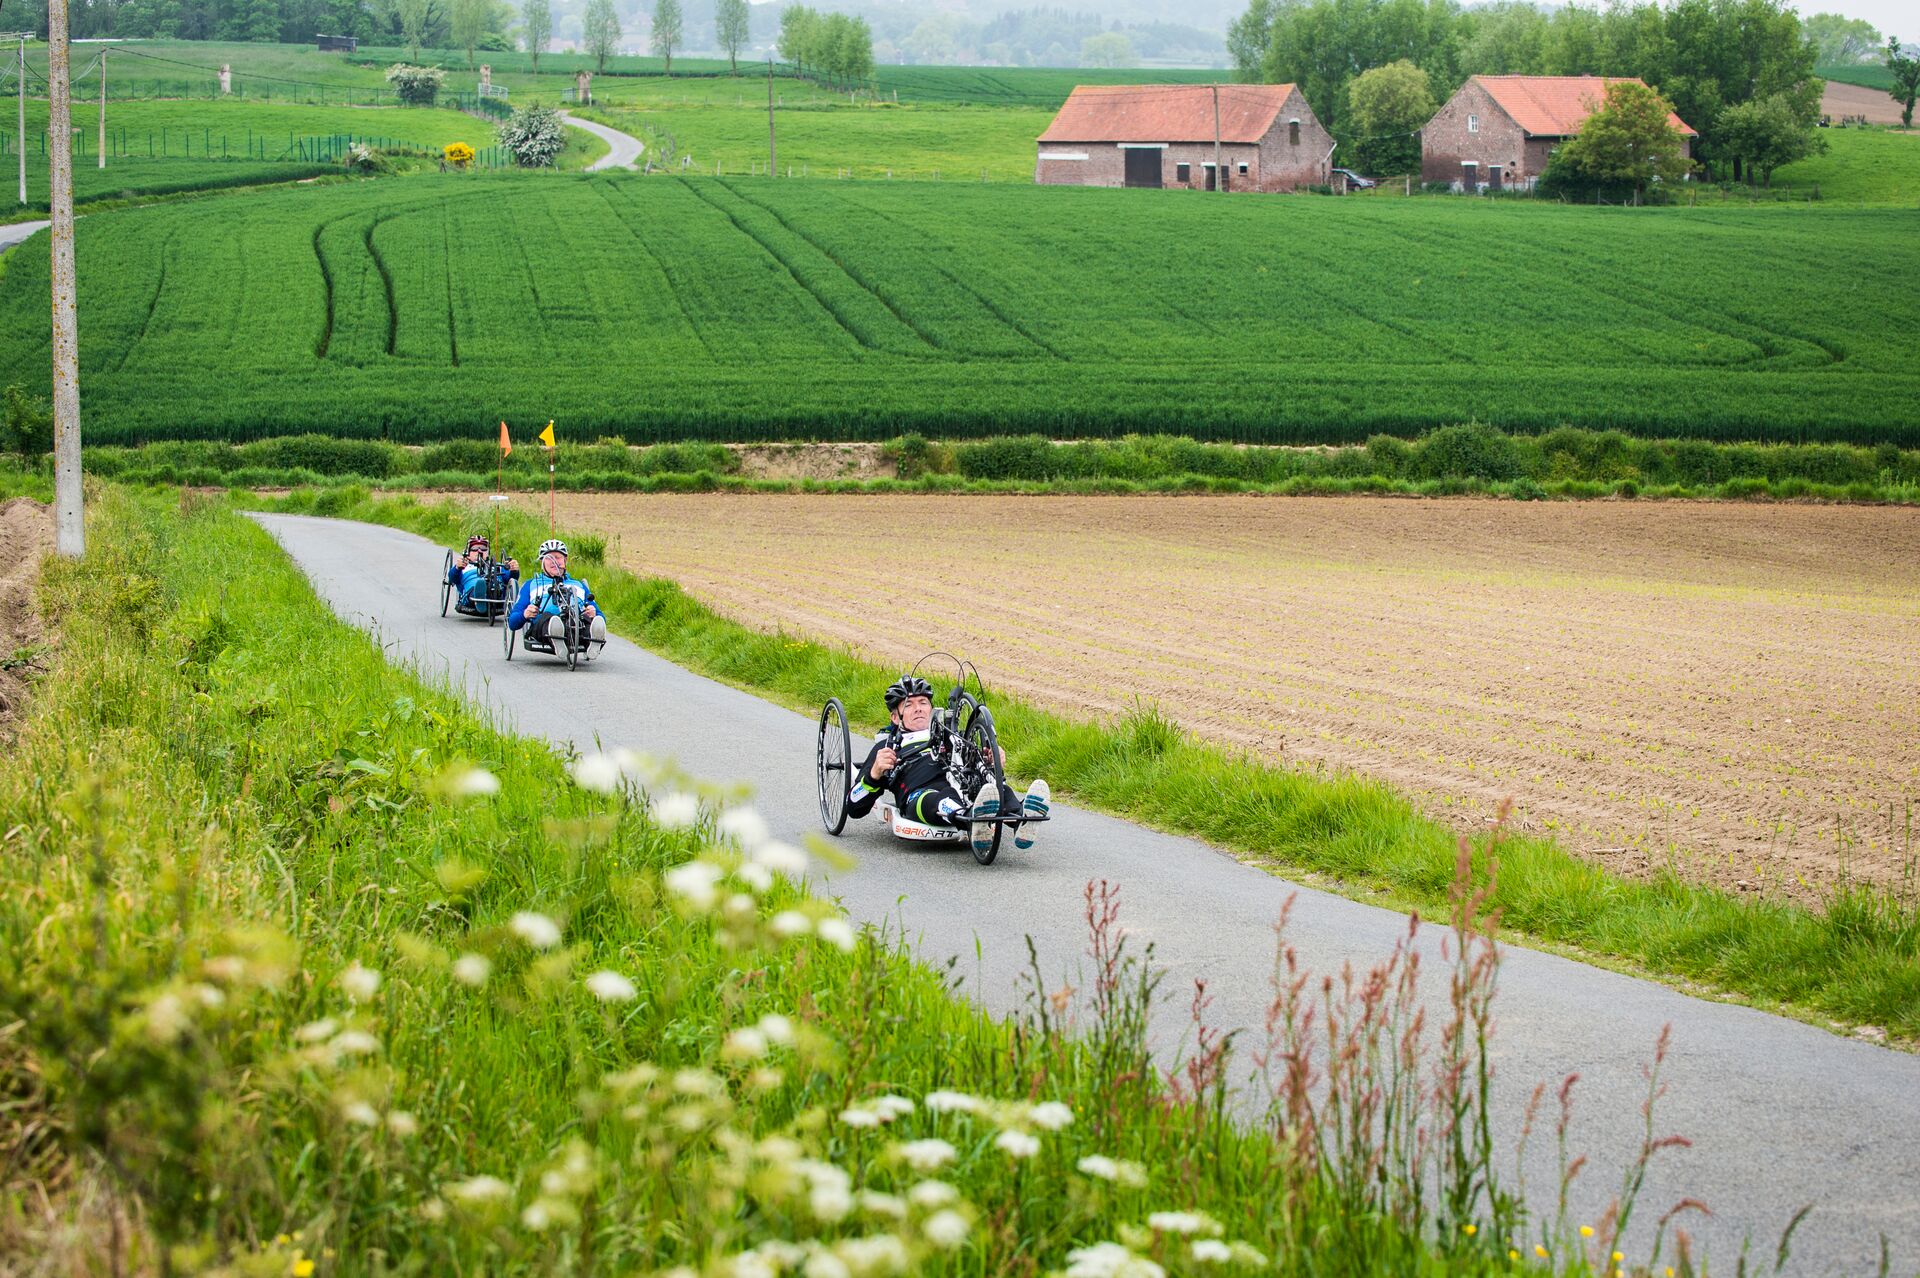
[985,804]
[1034,805]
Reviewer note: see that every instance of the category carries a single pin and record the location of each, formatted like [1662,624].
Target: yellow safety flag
[546,436]
[506,445]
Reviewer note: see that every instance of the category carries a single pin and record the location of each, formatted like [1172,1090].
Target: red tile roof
[1166,113]
[1555,106]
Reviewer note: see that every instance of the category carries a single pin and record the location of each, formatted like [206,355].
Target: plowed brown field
[1734,689]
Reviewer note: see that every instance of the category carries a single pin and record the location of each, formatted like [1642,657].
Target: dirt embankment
[26,535]
[1727,689]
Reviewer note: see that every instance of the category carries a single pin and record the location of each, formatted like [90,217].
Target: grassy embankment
[308,970]
[1565,463]
[866,310]
[1858,959]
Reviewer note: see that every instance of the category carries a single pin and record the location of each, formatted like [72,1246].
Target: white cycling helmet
[552,545]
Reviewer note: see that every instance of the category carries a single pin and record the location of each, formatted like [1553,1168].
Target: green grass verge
[275,1000]
[1858,959]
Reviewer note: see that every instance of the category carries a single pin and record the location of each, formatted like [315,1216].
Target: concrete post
[226,79]
[69,536]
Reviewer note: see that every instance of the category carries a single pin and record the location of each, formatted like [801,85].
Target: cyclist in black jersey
[902,762]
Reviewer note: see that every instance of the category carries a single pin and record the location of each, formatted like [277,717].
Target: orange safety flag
[506,445]
[546,436]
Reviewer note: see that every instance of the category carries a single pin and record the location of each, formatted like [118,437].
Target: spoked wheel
[833,755]
[446,585]
[572,638]
[985,746]
[506,640]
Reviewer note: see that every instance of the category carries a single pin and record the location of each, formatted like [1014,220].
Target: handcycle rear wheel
[832,756]
[985,743]
[446,583]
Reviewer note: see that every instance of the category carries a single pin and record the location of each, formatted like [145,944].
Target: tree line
[829,44]
[1734,70]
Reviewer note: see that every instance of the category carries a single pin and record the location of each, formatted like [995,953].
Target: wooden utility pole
[1219,174]
[102,148]
[773,157]
[69,536]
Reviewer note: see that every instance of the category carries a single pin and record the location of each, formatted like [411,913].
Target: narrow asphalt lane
[1780,1114]
[626,148]
[14,232]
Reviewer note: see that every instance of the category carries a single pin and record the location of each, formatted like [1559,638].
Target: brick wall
[1286,158]
[1447,144]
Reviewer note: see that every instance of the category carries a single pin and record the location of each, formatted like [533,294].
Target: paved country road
[14,232]
[1780,1114]
[626,148]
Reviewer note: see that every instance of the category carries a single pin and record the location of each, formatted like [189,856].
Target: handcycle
[490,600]
[962,738]
[575,642]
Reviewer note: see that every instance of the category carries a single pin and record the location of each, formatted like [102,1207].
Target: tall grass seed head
[537,930]
[359,983]
[472,969]
[611,987]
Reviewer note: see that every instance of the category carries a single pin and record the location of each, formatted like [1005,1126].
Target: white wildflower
[1247,1254]
[930,1195]
[875,1256]
[860,1118]
[480,1189]
[1211,1251]
[474,783]
[1181,1222]
[824,1264]
[537,930]
[1100,1167]
[836,932]
[360,1114]
[739,908]
[472,969]
[744,826]
[611,987]
[695,882]
[790,923]
[927,1155]
[538,1216]
[830,1203]
[208,997]
[697,1082]
[676,811]
[401,1123]
[891,1107]
[952,1103]
[1050,1116]
[359,983]
[1017,1144]
[875,1203]
[597,772]
[945,1229]
[745,1044]
[317,1031]
[781,858]
[757,877]
[167,1018]
[353,1043]
[1110,1260]
[777,1028]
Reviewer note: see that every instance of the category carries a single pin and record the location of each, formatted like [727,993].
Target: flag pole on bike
[500,479]
[546,437]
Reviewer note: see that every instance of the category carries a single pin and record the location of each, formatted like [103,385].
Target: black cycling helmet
[907,686]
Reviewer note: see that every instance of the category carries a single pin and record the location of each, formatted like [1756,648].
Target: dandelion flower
[1211,1251]
[695,882]
[676,811]
[317,1031]
[1050,1116]
[1017,1144]
[597,772]
[1617,1257]
[744,826]
[860,1118]
[1540,1251]
[537,930]
[836,932]
[302,1268]
[474,783]
[946,1229]
[1469,1230]
[951,1102]
[927,1155]
[745,1044]
[472,969]
[781,858]
[479,1190]
[790,923]
[1586,1231]
[611,987]
[1513,1253]
[359,983]
[932,1194]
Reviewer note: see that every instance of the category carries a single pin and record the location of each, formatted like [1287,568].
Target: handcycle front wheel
[446,583]
[571,637]
[985,746]
[832,756]
[506,640]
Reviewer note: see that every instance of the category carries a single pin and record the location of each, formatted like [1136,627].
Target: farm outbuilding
[1163,135]
[1499,131]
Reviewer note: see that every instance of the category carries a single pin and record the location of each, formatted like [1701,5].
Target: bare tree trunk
[69,537]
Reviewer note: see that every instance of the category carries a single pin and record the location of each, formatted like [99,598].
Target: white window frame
[1064,155]
[1473,123]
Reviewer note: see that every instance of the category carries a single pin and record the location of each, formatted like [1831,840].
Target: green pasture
[752,308]
[1869,75]
[1861,166]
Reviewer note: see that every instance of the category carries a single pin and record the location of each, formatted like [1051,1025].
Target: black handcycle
[962,739]
[575,641]
[493,597]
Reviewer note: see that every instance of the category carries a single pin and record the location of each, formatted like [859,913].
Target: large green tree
[1764,134]
[601,28]
[1840,39]
[730,29]
[1386,107]
[668,25]
[536,26]
[470,20]
[1906,80]
[1321,45]
[1628,141]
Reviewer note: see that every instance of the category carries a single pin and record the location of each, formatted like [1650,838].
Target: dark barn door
[1143,166]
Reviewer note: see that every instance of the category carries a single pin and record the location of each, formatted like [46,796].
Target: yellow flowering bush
[459,154]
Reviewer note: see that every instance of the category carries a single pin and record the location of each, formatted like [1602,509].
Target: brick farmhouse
[1163,134]
[1499,130]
